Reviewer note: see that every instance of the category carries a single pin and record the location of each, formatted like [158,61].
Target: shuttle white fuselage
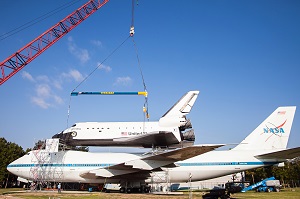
[169,131]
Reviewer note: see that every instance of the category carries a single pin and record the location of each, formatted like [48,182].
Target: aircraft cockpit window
[73,125]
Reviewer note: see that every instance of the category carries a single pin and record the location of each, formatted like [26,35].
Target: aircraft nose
[58,135]
[10,168]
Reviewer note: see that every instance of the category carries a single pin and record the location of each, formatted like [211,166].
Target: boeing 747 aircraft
[265,146]
[169,131]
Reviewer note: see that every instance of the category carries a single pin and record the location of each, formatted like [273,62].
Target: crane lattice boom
[25,55]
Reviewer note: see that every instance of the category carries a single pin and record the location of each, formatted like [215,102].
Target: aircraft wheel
[146,189]
[268,190]
[277,189]
[122,190]
[128,190]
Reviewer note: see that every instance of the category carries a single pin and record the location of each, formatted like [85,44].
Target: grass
[9,190]
[284,194]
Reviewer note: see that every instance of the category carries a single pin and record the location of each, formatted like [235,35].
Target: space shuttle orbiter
[170,131]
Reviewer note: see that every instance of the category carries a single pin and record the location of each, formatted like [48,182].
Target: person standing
[59,188]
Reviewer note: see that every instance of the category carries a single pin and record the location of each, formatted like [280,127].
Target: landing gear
[141,189]
[146,189]
[128,190]
[122,190]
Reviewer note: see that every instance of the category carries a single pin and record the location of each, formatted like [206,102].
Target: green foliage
[8,153]
[41,144]
[288,174]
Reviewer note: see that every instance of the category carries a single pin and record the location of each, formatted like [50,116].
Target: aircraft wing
[149,163]
[160,138]
[283,154]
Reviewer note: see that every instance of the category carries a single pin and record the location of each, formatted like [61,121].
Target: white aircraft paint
[266,145]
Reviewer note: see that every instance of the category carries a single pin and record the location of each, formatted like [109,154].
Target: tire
[146,189]
[129,190]
[122,190]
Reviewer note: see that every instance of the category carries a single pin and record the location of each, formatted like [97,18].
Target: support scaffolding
[47,163]
[160,181]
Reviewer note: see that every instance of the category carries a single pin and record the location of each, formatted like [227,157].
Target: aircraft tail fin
[176,114]
[271,134]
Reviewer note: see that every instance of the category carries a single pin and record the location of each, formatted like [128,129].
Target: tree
[8,153]
[288,175]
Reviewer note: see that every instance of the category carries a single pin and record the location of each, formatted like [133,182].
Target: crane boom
[14,63]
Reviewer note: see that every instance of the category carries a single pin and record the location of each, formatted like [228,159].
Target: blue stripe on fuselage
[180,164]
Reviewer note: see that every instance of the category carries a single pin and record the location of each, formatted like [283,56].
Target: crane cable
[117,48]
[131,34]
[145,108]
[37,20]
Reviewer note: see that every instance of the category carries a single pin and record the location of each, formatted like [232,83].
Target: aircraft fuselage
[69,165]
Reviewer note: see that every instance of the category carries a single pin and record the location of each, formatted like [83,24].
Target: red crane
[14,63]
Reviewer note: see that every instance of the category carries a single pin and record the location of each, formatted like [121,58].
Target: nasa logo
[273,130]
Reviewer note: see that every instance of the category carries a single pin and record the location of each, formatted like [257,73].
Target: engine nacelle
[281,164]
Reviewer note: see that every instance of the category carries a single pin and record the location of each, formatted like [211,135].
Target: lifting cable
[91,74]
[145,107]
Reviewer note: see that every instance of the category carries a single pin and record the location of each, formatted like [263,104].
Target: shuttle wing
[283,154]
[149,163]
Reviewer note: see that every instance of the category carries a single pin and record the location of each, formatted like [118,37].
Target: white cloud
[46,88]
[96,43]
[57,84]
[43,90]
[27,76]
[44,78]
[104,67]
[124,81]
[73,74]
[40,102]
[58,99]
[44,97]
[80,53]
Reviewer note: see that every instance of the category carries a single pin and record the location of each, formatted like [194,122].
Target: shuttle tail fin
[271,134]
[176,114]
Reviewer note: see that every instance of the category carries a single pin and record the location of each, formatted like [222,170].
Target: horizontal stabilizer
[149,163]
[283,154]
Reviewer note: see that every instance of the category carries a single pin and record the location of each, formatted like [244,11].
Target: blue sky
[243,56]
